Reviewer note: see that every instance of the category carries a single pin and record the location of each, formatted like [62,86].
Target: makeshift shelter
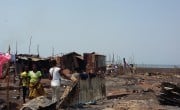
[85,91]
[95,62]
[73,61]
[25,59]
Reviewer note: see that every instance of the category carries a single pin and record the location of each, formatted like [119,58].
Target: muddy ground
[124,92]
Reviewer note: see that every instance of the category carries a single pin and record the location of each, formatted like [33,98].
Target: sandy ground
[124,92]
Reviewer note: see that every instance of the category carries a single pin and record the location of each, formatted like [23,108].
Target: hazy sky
[145,31]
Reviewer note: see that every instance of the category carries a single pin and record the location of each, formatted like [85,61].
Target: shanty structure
[91,84]
[86,91]
[95,62]
[26,59]
[73,61]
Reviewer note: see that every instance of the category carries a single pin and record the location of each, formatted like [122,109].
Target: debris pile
[136,105]
[39,103]
[170,94]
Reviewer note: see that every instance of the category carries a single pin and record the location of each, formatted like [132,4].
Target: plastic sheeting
[4,58]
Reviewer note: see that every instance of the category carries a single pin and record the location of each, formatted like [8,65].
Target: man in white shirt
[54,73]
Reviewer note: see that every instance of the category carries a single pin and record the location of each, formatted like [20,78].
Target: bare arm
[67,74]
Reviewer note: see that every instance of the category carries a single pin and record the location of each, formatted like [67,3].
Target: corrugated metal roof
[80,57]
[36,59]
[72,53]
[96,54]
[31,58]
[23,58]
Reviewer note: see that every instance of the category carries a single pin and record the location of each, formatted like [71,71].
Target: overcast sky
[145,31]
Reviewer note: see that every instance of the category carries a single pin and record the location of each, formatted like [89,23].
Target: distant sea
[157,66]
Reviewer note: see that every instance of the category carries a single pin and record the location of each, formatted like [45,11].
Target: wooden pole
[113,59]
[38,49]
[52,51]
[30,45]
[16,48]
[7,88]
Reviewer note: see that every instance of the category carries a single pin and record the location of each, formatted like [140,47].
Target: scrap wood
[170,94]
[66,94]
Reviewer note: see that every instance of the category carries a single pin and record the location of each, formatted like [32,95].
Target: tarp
[4,58]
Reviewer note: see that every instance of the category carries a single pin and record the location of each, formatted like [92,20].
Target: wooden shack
[43,64]
[95,62]
[73,61]
[85,91]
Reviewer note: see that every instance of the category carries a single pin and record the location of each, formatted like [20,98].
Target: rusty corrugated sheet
[85,91]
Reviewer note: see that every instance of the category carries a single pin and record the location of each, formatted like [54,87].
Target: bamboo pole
[7,88]
[30,44]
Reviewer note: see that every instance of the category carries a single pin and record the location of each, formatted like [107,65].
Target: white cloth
[55,74]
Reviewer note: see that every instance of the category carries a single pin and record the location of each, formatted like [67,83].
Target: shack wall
[86,91]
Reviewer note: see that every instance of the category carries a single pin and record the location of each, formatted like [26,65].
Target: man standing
[54,74]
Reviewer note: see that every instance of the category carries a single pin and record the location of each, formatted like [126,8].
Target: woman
[35,87]
[24,81]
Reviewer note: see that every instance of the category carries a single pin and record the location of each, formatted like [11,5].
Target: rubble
[170,94]
[39,103]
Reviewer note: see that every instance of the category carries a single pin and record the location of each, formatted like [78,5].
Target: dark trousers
[25,92]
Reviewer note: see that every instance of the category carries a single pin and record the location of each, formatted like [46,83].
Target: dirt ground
[124,92]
